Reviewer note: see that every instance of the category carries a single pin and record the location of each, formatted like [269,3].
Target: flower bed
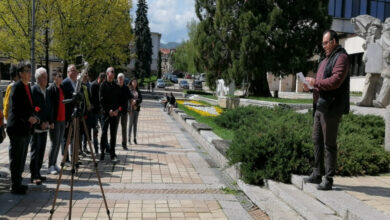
[203,110]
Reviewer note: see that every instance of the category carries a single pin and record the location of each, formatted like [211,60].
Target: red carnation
[37,109]
[120,108]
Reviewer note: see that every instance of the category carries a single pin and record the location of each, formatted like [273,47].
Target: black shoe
[101,157]
[18,191]
[326,184]
[25,187]
[42,178]
[135,141]
[125,148]
[87,152]
[312,179]
[36,181]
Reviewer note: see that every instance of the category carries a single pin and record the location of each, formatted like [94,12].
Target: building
[342,11]
[156,47]
[166,60]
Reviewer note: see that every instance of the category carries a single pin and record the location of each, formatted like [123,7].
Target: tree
[251,38]
[159,71]
[99,30]
[185,56]
[143,41]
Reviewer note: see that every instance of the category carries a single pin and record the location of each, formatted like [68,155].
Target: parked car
[160,83]
[184,84]
[196,84]
[173,79]
[202,77]
[187,76]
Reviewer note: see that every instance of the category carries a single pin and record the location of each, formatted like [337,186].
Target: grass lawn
[271,99]
[210,96]
[221,132]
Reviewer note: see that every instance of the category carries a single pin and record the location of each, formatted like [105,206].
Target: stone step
[305,205]
[268,202]
[345,205]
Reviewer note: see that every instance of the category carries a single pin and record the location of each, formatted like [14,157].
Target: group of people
[34,111]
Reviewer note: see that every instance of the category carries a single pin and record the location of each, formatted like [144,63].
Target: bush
[198,92]
[274,143]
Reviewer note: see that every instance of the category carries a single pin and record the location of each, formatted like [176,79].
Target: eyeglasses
[326,42]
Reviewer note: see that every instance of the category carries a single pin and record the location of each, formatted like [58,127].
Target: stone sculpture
[223,90]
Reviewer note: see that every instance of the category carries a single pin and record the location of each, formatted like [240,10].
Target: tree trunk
[259,85]
[47,52]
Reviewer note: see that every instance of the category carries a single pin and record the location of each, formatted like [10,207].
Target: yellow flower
[188,103]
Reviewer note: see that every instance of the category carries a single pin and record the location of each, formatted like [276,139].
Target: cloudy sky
[169,17]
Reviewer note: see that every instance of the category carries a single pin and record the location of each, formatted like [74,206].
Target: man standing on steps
[330,102]
[109,102]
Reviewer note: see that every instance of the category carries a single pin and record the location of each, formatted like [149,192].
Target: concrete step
[305,205]
[345,205]
[268,202]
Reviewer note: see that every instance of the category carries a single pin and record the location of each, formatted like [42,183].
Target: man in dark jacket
[123,105]
[42,109]
[109,102]
[69,86]
[95,112]
[19,126]
[331,101]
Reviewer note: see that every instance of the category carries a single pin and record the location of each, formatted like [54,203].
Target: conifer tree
[143,41]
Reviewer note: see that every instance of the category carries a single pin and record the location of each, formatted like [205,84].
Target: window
[353,8]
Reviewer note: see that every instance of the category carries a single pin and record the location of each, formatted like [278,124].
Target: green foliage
[273,143]
[143,41]
[184,57]
[243,40]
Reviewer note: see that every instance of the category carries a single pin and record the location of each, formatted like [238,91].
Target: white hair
[70,66]
[109,68]
[121,75]
[39,72]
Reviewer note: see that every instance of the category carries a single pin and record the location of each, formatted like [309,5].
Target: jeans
[17,157]
[38,146]
[56,136]
[325,128]
[123,121]
[133,123]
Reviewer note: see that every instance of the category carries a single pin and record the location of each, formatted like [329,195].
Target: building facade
[166,60]
[342,11]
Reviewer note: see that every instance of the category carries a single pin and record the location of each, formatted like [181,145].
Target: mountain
[169,45]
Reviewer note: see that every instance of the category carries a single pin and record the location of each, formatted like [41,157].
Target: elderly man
[21,119]
[42,109]
[69,86]
[123,105]
[331,101]
[109,102]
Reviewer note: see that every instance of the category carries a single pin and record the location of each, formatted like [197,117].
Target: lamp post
[33,41]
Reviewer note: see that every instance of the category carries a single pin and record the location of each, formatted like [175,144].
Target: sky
[169,17]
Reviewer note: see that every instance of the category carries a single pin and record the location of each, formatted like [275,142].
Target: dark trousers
[325,130]
[95,129]
[38,146]
[112,123]
[56,136]
[123,121]
[133,122]
[17,157]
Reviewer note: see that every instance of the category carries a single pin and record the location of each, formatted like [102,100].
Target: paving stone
[187,117]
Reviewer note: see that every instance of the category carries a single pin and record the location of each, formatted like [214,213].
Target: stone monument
[369,28]
[225,95]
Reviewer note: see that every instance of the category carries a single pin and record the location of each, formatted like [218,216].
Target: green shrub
[198,92]
[274,143]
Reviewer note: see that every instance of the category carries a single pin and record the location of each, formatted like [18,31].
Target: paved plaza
[165,176]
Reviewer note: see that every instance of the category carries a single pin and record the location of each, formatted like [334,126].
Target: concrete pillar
[387,129]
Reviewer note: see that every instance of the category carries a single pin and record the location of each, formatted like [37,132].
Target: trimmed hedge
[273,143]
[197,92]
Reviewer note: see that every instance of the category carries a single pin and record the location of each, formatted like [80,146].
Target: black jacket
[68,90]
[54,95]
[20,112]
[42,105]
[108,97]
[124,98]
[138,101]
[94,91]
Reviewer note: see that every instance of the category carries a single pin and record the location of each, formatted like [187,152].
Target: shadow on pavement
[369,190]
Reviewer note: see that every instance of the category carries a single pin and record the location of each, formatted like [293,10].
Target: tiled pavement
[165,176]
